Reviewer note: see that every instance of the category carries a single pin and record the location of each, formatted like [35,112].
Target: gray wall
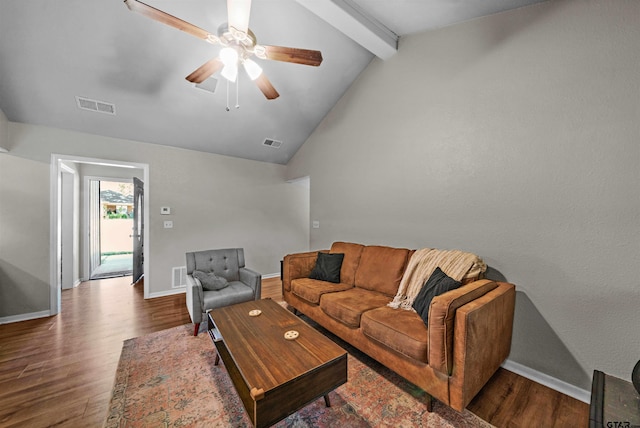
[517,137]
[4,130]
[216,202]
[24,235]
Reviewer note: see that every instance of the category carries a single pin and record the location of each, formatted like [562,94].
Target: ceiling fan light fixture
[229,56]
[253,70]
[230,72]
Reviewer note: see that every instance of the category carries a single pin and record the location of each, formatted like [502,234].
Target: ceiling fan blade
[238,12]
[172,21]
[205,71]
[295,55]
[266,87]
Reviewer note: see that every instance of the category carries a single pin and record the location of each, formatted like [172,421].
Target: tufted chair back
[225,263]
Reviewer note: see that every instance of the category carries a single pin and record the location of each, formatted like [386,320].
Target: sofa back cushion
[352,253]
[381,269]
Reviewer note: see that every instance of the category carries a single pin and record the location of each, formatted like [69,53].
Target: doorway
[95,167]
[110,227]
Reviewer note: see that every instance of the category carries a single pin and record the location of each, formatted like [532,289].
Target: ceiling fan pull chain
[228,96]
[237,93]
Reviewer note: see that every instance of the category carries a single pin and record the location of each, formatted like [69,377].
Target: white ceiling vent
[272,143]
[95,105]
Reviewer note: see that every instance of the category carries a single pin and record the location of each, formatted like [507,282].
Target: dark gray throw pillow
[210,281]
[437,284]
[327,267]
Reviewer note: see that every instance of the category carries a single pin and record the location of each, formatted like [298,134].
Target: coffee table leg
[327,402]
[217,359]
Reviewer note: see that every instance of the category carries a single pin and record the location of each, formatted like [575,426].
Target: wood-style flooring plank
[60,370]
[510,400]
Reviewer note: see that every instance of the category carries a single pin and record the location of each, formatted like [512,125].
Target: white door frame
[91,208]
[55,220]
[68,227]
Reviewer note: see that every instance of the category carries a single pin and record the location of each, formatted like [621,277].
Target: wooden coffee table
[275,376]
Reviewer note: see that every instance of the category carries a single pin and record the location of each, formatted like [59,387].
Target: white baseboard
[25,317]
[549,381]
[167,292]
[182,289]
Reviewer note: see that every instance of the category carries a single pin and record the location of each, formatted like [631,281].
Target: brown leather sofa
[469,331]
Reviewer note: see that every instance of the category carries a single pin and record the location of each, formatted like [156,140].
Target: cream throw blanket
[456,264]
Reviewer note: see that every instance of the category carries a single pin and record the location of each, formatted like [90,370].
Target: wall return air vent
[95,105]
[179,277]
[272,143]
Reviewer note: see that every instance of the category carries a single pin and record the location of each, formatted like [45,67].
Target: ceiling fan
[239,45]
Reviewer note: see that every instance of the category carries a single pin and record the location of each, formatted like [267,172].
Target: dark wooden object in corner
[614,402]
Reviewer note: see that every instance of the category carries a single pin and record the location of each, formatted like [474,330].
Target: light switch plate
[315,224]
[165,210]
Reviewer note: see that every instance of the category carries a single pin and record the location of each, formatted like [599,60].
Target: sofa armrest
[253,279]
[442,314]
[195,296]
[298,265]
[483,331]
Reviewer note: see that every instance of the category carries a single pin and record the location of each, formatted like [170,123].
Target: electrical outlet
[168,224]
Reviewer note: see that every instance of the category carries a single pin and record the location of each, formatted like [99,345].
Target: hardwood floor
[510,400]
[272,289]
[59,371]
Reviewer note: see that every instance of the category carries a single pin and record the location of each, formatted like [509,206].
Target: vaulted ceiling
[53,52]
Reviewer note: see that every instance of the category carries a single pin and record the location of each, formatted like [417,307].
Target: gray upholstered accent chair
[243,284]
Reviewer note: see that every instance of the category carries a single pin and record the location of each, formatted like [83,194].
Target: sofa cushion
[401,330]
[327,267]
[381,269]
[348,306]
[311,289]
[437,284]
[351,260]
[209,280]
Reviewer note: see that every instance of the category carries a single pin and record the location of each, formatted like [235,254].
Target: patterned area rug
[168,379]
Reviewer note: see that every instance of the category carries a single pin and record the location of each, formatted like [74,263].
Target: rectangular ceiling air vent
[95,105]
[272,143]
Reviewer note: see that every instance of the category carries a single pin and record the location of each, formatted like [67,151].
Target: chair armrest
[483,331]
[253,279]
[195,297]
[442,313]
[298,265]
